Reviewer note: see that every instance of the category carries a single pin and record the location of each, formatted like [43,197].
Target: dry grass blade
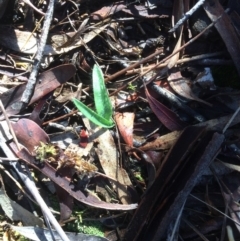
[196,230]
[224,214]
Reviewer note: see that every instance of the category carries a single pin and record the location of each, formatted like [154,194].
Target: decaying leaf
[29,134]
[166,141]
[107,11]
[109,158]
[181,87]
[125,125]
[165,115]
[47,82]
[67,185]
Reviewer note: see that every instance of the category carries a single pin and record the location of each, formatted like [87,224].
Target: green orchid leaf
[101,99]
[93,116]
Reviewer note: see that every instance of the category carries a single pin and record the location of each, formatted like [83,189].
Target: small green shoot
[132,87]
[103,115]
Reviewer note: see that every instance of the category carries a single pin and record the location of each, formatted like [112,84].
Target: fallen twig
[27,94]
[187,15]
[231,120]
[180,61]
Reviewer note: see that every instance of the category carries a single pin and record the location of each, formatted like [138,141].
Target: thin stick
[37,25]
[231,119]
[187,15]
[32,6]
[45,209]
[28,92]
[123,71]
[9,125]
[224,214]
[30,185]
[180,61]
[17,184]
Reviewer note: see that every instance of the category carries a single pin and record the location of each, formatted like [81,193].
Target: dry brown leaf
[47,82]
[166,141]
[109,158]
[125,125]
[29,133]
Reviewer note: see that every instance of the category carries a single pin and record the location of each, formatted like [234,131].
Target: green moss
[87,227]
[92,228]
[44,151]
[226,76]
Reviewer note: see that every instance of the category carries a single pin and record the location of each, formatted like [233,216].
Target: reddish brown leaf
[125,125]
[165,115]
[29,133]
[38,108]
[156,157]
[66,201]
[163,142]
[150,168]
[47,82]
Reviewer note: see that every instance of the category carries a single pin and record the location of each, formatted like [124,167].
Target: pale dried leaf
[108,157]
[15,212]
